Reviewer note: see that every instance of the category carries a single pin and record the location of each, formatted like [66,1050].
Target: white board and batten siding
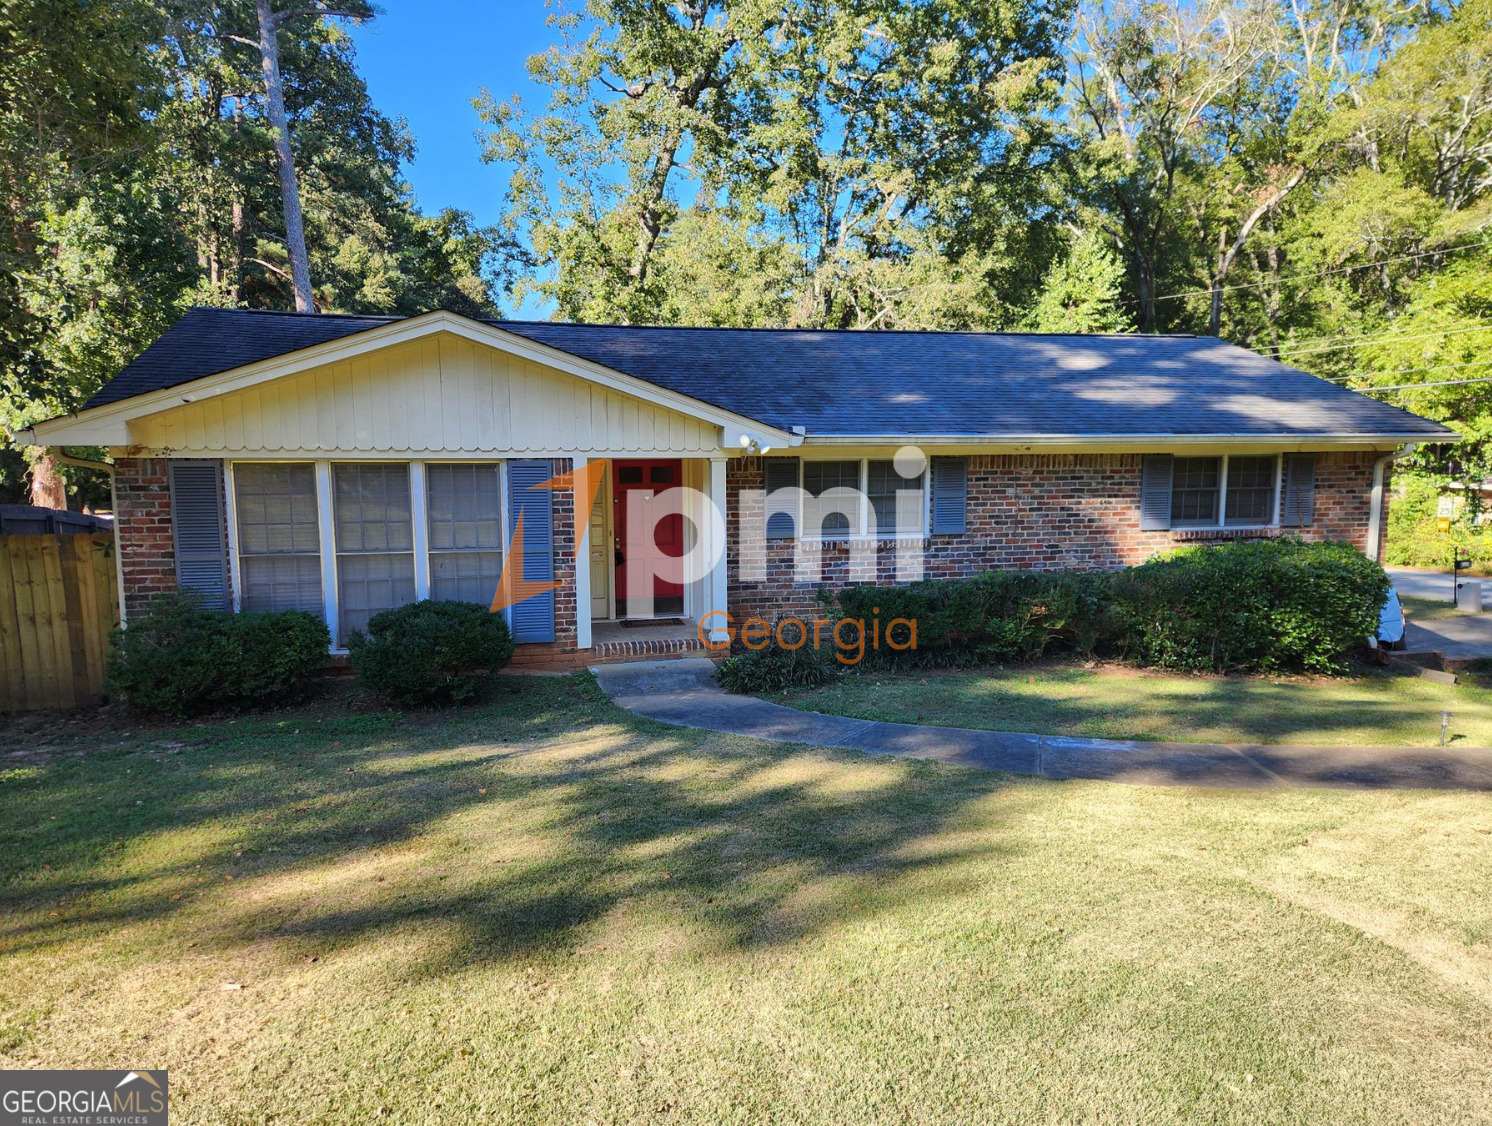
[440,395]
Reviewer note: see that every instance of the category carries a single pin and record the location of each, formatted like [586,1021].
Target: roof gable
[187,366]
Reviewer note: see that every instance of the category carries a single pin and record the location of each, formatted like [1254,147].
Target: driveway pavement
[1463,636]
[683,692]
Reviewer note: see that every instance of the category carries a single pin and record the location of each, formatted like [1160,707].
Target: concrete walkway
[683,693]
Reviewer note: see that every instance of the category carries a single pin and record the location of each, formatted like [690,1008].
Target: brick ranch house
[347,464]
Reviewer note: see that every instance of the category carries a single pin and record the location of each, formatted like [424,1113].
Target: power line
[1437,383]
[1324,273]
[1407,371]
[1376,334]
[1382,340]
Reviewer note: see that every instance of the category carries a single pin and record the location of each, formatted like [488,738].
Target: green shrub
[778,669]
[430,650]
[1264,605]
[179,659]
[991,617]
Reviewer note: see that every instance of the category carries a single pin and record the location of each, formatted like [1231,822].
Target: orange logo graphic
[512,586]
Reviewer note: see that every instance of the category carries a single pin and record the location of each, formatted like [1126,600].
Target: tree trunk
[48,490]
[295,229]
[1226,257]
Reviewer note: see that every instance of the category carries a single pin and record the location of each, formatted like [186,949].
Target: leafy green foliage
[778,669]
[428,651]
[1259,606]
[1084,292]
[874,161]
[137,167]
[994,616]
[1414,535]
[1270,605]
[179,659]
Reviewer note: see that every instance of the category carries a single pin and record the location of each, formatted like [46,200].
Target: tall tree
[879,155]
[1202,117]
[75,82]
[188,209]
[269,23]
[1084,291]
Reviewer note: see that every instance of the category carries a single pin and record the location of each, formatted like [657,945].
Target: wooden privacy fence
[58,602]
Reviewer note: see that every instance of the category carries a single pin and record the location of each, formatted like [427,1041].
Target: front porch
[614,641]
[619,626]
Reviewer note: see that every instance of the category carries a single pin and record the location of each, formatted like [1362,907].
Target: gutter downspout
[1375,517]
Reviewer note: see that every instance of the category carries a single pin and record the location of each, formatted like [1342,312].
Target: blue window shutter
[197,530]
[950,496]
[1298,505]
[533,618]
[1155,492]
[782,514]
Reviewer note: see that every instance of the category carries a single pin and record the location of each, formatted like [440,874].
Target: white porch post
[324,519]
[582,557]
[419,529]
[716,595]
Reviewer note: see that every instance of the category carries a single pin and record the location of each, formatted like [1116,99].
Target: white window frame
[862,521]
[1221,523]
[423,502]
[230,515]
[329,531]
[325,517]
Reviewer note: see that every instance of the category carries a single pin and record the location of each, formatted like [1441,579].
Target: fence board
[57,604]
[36,635]
[12,680]
[54,591]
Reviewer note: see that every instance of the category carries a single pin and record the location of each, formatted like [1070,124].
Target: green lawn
[1120,702]
[541,910]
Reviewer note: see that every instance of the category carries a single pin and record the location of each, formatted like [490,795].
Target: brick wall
[142,500]
[1042,512]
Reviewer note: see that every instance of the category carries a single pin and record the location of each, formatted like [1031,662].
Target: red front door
[637,556]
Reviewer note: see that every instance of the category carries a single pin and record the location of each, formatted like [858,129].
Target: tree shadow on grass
[1235,709]
[508,829]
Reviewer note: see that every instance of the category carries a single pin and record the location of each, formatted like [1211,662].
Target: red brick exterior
[1052,511]
[147,553]
[1035,511]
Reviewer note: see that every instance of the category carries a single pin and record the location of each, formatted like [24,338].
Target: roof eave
[1135,441]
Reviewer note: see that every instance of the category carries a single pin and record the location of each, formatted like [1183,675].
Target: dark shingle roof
[875,383]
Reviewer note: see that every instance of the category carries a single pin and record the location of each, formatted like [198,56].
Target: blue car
[1391,622]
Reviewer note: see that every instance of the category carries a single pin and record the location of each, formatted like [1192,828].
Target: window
[1251,490]
[279,539]
[892,495]
[464,506]
[1235,491]
[833,517]
[899,504]
[1194,491]
[375,541]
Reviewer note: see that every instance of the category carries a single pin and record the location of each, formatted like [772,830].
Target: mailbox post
[1459,563]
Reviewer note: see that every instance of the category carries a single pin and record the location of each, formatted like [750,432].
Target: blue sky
[425,61]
